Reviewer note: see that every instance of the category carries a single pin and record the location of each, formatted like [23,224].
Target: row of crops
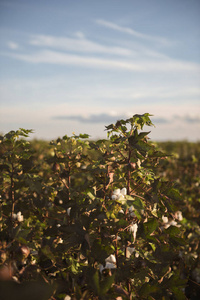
[108,219]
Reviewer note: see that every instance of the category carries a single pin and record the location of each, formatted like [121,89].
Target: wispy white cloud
[110,118]
[134,33]
[79,44]
[138,65]
[13,45]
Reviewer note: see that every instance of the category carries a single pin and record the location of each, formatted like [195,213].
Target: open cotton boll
[20,218]
[178,215]
[110,263]
[130,251]
[110,266]
[113,236]
[107,266]
[165,219]
[68,211]
[114,197]
[116,192]
[14,216]
[133,229]
[111,259]
[123,191]
[131,211]
[120,196]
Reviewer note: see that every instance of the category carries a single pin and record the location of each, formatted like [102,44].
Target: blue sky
[76,66]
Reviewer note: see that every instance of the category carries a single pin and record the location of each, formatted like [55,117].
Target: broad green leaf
[150,226]
[106,284]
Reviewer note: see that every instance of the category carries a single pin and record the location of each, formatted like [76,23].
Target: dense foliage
[110,219]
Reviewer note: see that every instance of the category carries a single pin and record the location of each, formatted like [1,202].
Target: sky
[75,66]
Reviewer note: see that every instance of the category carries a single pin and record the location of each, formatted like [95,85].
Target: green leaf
[106,284]
[84,136]
[174,194]
[153,246]
[136,202]
[147,289]
[150,226]
[95,281]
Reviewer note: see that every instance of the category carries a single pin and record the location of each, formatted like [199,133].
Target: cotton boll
[130,251]
[20,218]
[132,215]
[110,266]
[178,215]
[68,211]
[120,196]
[110,263]
[133,229]
[113,236]
[111,259]
[107,266]
[114,197]
[116,192]
[14,216]
[165,219]
[173,223]
[131,211]
[101,268]
[123,191]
